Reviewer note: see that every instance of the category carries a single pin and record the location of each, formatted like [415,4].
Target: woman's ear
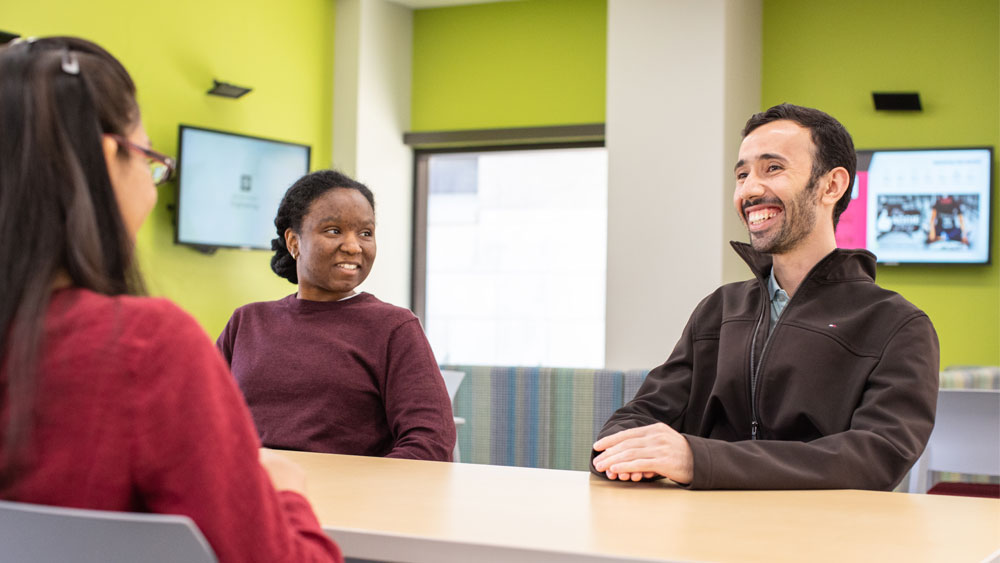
[292,243]
[110,148]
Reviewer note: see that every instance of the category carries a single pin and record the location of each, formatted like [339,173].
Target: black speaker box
[897,101]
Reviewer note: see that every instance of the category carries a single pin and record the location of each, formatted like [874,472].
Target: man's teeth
[348,266]
[757,217]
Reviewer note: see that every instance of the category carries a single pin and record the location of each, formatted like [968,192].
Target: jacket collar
[840,265]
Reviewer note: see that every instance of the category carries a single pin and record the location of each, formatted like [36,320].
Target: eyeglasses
[160,165]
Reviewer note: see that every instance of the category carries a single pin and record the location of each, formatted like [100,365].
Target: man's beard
[797,222]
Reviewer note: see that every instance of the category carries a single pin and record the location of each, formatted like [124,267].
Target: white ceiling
[419,4]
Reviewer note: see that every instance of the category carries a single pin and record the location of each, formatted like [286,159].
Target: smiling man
[809,376]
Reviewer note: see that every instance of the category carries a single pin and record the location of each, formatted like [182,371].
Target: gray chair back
[32,533]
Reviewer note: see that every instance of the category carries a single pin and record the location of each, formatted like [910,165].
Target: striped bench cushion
[536,417]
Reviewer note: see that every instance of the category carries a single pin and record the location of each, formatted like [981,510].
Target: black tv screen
[921,206]
[230,185]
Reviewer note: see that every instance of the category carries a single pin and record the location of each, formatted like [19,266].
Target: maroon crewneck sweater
[136,411]
[355,376]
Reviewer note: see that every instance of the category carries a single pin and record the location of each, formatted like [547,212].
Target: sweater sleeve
[888,431]
[227,340]
[195,452]
[417,406]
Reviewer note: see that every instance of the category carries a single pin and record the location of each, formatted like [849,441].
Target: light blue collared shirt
[778,300]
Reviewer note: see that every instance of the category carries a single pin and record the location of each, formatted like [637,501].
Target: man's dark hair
[294,206]
[834,146]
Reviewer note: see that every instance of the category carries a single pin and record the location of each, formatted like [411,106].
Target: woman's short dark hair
[58,211]
[834,146]
[294,206]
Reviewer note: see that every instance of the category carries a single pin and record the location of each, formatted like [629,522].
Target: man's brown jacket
[841,395]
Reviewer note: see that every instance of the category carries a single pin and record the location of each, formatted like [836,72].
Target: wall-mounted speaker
[897,101]
[227,90]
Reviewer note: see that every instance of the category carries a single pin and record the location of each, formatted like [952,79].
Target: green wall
[832,55]
[509,64]
[283,50]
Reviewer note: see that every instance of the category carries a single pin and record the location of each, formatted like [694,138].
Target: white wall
[742,86]
[682,77]
[373,45]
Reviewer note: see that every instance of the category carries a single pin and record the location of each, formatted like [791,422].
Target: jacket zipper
[756,367]
[754,370]
[754,422]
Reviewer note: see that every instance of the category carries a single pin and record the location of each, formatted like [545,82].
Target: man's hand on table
[645,452]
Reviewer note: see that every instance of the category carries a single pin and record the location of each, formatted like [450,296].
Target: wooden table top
[404,510]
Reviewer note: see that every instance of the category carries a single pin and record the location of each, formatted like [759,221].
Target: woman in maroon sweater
[328,369]
[109,400]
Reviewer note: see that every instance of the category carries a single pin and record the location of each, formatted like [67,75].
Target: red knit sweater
[136,411]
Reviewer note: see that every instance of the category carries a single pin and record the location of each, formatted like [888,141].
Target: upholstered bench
[536,417]
[549,417]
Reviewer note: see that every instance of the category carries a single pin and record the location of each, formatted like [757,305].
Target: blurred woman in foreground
[109,400]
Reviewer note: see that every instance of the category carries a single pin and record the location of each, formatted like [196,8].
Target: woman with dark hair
[110,400]
[328,369]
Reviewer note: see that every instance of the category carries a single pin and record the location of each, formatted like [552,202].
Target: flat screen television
[921,206]
[230,185]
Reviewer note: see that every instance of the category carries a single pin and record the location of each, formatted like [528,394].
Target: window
[511,255]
